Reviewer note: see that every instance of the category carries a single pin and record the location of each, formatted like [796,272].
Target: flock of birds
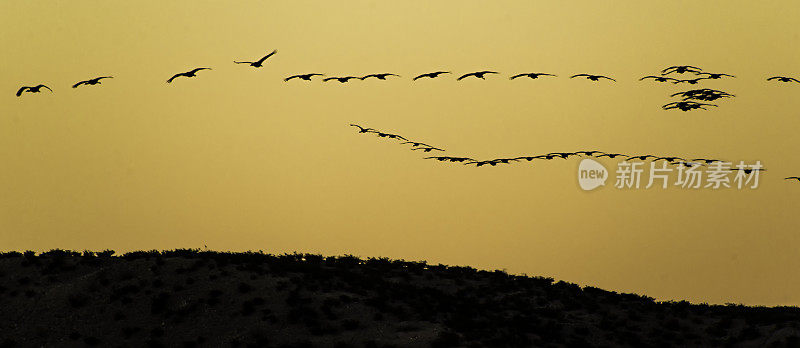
[672,160]
[690,100]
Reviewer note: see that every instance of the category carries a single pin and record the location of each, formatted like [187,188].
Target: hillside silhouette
[193,298]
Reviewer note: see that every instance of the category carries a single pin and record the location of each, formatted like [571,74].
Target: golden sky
[237,159]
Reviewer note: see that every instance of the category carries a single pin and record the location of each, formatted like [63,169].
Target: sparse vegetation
[193,298]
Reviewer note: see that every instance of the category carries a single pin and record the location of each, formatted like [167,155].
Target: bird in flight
[680,69]
[34,89]
[390,136]
[340,79]
[641,158]
[431,75]
[563,155]
[530,75]
[259,63]
[792,178]
[94,81]
[685,105]
[481,163]
[427,149]
[714,76]
[415,144]
[783,79]
[749,170]
[658,78]
[705,94]
[191,73]
[705,160]
[379,76]
[478,74]
[669,159]
[451,159]
[306,77]
[593,77]
[588,153]
[611,155]
[692,81]
[363,129]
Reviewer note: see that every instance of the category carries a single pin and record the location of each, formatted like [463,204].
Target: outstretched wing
[267,56]
[174,76]
[579,75]
[198,69]
[19,92]
[606,77]
[48,88]
[243,62]
[465,76]
[518,75]
[78,84]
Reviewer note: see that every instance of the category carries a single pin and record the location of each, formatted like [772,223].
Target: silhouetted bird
[658,78]
[685,105]
[704,94]
[588,153]
[783,79]
[34,89]
[669,158]
[481,163]
[563,155]
[528,158]
[792,178]
[593,77]
[390,136]
[749,170]
[531,75]
[641,157]
[415,144]
[94,81]
[478,74]
[364,130]
[306,77]
[450,159]
[379,76]
[191,73]
[611,155]
[427,149]
[259,63]
[714,76]
[431,75]
[680,69]
[504,160]
[705,160]
[692,81]
[340,79]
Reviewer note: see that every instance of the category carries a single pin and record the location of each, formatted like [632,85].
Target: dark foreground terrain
[188,298]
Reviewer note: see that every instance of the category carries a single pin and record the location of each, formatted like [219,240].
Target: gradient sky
[236,159]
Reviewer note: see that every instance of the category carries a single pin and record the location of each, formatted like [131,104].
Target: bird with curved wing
[32,89]
[479,74]
[378,76]
[532,76]
[94,81]
[306,77]
[259,63]
[783,79]
[431,75]
[592,77]
[191,73]
[658,78]
[340,79]
[681,69]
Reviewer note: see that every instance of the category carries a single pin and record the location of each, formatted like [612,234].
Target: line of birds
[678,69]
[672,160]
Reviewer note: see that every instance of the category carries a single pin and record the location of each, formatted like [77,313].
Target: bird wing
[19,92]
[574,76]
[46,87]
[198,69]
[174,76]
[606,77]
[78,84]
[518,75]
[290,77]
[267,56]
[243,62]
[773,78]
[465,76]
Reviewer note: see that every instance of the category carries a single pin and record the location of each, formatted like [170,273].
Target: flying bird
[478,74]
[714,76]
[669,158]
[390,136]
[363,129]
[191,73]
[379,76]
[641,158]
[340,79]
[450,159]
[750,170]
[588,153]
[415,144]
[658,78]
[306,77]
[705,160]
[531,75]
[427,149]
[431,75]
[692,81]
[593,77]
[792,178]
[680,69]
[611,155]
[705,94]
[94,81]
[685,105]
[481,163]
[259,63]
[783,79]
[34,89]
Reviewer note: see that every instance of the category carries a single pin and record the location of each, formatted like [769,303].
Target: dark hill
[189,298]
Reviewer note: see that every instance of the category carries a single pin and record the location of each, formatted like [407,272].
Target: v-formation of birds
[672,160]
[686,104]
